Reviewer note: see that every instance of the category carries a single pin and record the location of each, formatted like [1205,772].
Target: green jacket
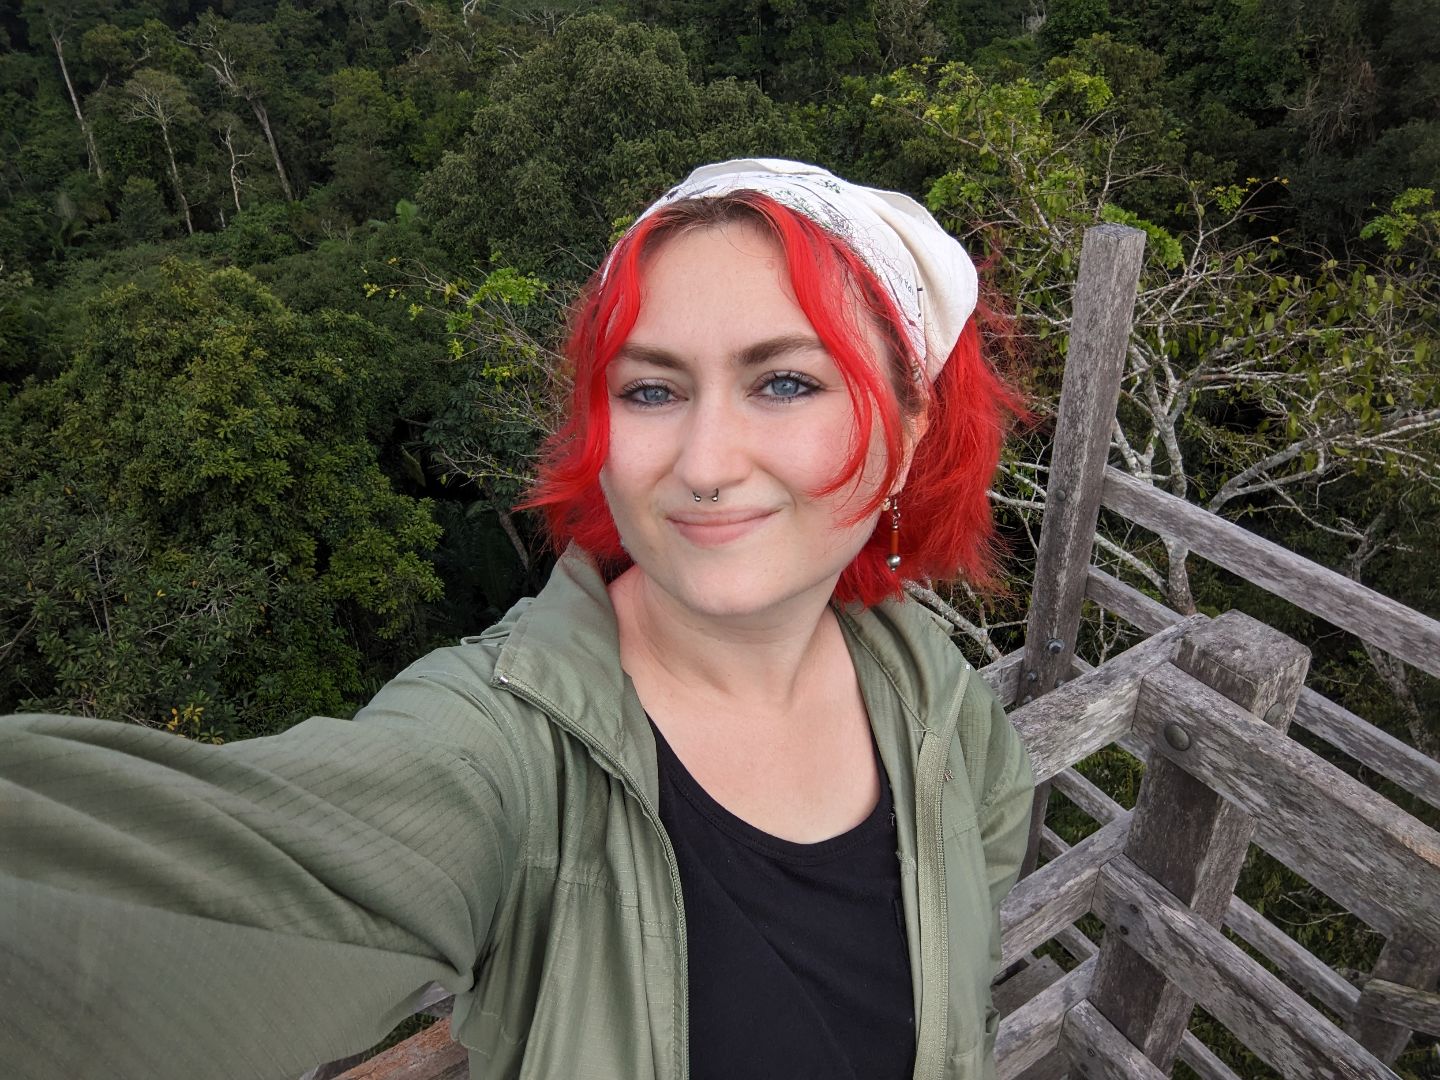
[489,822]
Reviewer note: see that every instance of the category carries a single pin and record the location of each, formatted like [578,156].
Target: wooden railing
[1206,704]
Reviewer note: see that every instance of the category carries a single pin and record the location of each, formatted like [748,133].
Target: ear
[915,429]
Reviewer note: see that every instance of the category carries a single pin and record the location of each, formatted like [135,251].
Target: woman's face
[723,385]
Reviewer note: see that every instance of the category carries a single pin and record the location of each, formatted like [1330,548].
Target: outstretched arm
[169,909]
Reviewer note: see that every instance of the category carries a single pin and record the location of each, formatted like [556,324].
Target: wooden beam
[1076,719]
[1402,1006]
[430,1055]
[1378,751]
[1032,1031]
[1202,1060]
[1273,1021]
[1099,1052]
[1389,1008]
[1003,676]
[1294,961]
[1128,602]
[1055,895]
[1087,796]
[1102,310]
[1399,630]
[1355,845]
[1185,835]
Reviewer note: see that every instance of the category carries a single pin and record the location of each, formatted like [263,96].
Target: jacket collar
[905,664]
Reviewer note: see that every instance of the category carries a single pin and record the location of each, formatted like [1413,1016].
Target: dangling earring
[893,505]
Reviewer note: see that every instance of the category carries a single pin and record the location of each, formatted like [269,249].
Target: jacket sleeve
[169,909]
[1004,821]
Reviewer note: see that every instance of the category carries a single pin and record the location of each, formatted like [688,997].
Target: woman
[715,803]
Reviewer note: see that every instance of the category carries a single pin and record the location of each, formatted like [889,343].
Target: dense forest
[282,283]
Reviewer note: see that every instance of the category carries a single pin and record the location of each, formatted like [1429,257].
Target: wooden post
[1103,309]
[1185,836]
[1411,961]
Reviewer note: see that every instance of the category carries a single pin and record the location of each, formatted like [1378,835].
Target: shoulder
[913,647]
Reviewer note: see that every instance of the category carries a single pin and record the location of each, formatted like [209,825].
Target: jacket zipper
[682,990]
[930,775]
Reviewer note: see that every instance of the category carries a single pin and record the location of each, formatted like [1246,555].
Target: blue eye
[648,395]
[787,387]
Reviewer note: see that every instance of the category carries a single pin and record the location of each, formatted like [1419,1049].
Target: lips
[714,529]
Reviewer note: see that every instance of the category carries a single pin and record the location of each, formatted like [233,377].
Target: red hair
[945,526]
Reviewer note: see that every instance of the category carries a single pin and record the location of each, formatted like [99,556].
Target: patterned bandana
[924,269]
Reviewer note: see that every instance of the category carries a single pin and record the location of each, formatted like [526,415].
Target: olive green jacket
[489,822]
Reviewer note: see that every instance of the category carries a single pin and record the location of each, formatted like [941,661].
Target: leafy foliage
[204,508]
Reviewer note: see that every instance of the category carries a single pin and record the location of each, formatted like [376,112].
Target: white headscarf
[924,269]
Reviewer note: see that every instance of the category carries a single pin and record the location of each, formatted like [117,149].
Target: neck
[759,664]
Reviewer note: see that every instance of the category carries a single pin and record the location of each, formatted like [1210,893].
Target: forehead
[730,279]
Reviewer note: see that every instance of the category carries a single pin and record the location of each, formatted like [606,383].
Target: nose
[714,450]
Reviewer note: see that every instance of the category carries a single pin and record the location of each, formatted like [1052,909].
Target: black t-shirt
[797,957]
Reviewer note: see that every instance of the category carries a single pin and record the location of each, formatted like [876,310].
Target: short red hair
[946,529]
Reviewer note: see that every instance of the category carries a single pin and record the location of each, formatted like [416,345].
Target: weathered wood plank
[1407,960]
[1185,835]
[1351,843]
[1375,749]
[1075,943]
[1273,1021]
[1203,1061]
[1399,630]
[1056,894]
[1128,602]
[1031,977]
[1031,1032]
[1087,796]
[1402,1006]
[1003,676]
[1293,959]
[1103,307]
[430,1055]
[1099,1052]
[1102,310]
[1076,719]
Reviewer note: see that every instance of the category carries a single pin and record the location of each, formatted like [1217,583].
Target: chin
[738,588]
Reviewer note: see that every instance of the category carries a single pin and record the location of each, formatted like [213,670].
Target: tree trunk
[234,166]
[59,42]
[264,118]
[175,179]
[1177,579]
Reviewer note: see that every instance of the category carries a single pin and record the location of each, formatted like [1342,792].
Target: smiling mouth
[712,530]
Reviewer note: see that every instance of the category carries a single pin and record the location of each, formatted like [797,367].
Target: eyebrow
[762,352]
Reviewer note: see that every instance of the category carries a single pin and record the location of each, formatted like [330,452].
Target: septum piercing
[713,498]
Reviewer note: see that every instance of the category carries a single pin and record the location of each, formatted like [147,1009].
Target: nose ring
[713,498]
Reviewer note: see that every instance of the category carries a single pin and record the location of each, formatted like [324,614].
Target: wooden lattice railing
[1206,702]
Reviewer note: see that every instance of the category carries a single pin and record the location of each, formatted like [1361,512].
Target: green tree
[1247,384]
[199,485]
[58,21]
[242,58]
[160,98]
[582,132]
[367,136]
